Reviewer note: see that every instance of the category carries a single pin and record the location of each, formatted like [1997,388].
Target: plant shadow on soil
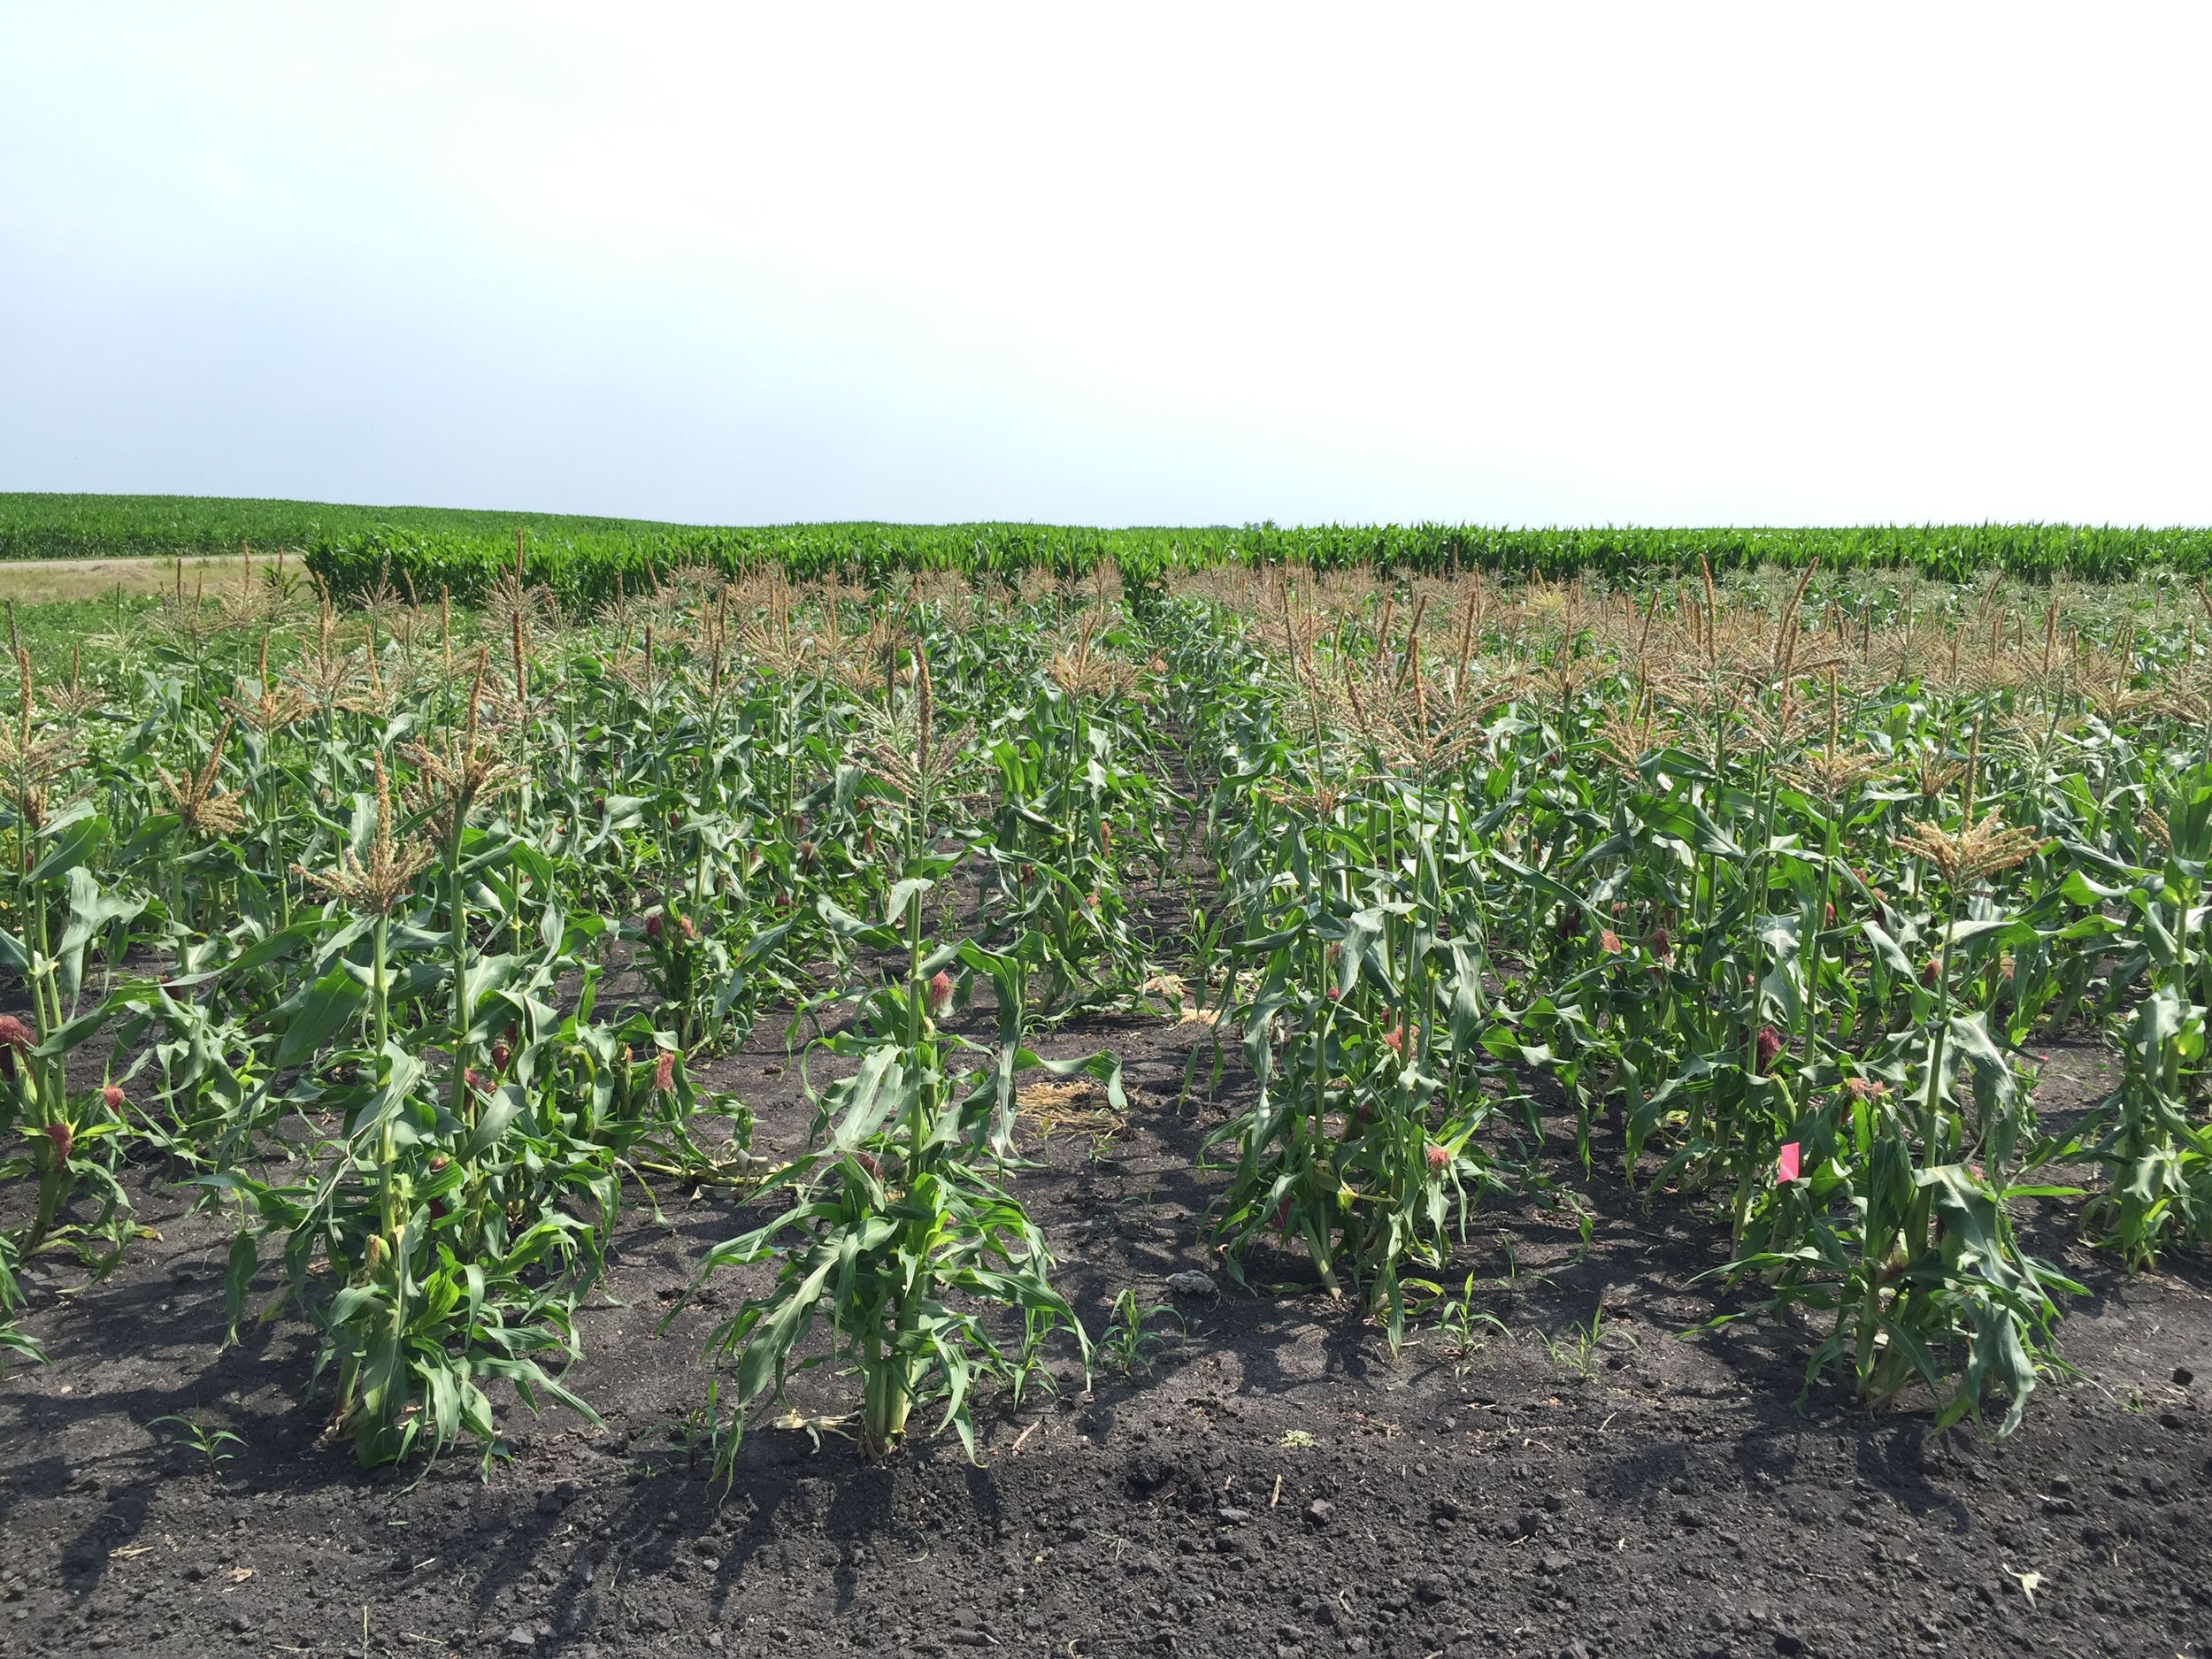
[1582,1482]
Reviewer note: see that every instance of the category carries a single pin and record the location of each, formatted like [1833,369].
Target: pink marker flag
[1785,1165]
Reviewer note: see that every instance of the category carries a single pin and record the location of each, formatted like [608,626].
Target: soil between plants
[1269,1482]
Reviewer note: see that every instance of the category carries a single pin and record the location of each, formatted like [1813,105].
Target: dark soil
[1583,1483]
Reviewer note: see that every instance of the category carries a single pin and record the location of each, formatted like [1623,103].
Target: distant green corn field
[587,568]
[51,526]
[586,559]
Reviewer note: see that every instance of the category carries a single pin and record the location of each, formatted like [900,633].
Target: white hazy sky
[1183,263]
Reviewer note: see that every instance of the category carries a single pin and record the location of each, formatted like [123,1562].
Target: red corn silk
[1768,1046]
[14,1036]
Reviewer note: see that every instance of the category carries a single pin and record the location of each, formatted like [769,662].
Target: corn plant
[900,1205]
[58,907]
[1369,1006]
[2148,1132]
[1121,1344]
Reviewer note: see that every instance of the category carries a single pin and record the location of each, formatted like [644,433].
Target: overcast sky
[1186,264]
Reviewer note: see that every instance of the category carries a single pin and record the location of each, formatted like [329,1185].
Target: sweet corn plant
[902,1206]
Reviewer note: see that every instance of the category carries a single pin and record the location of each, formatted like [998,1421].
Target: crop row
[1780,882]
[587,569]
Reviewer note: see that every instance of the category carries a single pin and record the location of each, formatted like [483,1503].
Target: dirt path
[45,582]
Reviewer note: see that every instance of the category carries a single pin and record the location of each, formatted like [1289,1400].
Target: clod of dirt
[1320,1511]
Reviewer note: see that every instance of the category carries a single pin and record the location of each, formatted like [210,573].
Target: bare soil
[1587,1482]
